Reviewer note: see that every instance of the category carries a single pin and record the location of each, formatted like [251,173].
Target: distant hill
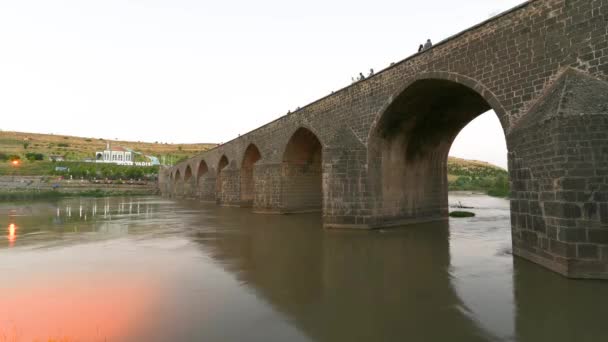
[79,148]
[464,174]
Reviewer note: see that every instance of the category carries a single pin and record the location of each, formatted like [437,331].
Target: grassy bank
[79,170]
[50,194]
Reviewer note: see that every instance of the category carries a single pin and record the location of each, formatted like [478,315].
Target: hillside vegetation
[78,148]
[463,174]
[476,175]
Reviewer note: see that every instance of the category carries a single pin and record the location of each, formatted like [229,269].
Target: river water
[152,269]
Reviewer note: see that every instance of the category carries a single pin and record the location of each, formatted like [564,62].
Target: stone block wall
[559,195]
[229,188]
[206,188]
[301,188]
[267,185]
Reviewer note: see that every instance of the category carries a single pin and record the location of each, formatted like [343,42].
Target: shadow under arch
[188,181]
[221,165]
[301,173]
[205,182]
[177,183]
[409,142]
[251,156]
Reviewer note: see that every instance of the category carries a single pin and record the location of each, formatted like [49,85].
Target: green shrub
[31,156]
[461,214]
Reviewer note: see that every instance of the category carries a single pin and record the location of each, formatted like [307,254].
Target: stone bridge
[374,154]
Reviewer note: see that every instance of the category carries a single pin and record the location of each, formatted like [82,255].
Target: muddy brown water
[152,269]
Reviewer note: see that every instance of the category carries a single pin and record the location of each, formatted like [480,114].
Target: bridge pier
[267,185]
[559,186]
[206,188]
[229,184]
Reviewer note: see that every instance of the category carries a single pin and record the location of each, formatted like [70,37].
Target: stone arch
[479,88]
[250,157]
[205,181]
[221,165]
[177,183]
[201,170]
[410,139]
[188,181]
[301,173]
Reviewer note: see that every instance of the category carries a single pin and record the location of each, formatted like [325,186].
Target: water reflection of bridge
[384,286]
[346,286]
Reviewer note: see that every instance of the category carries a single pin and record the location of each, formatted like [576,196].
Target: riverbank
[14,188]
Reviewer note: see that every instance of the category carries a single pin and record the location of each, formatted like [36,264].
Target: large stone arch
[302,173]
[409,141]
[251,156]
[478,87]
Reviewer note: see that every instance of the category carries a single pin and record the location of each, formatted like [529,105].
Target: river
[153,269]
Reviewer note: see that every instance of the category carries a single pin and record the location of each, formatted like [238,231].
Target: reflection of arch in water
[350,285]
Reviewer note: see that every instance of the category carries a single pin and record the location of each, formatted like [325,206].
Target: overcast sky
[206,71]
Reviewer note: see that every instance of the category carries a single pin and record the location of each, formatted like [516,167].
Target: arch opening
[177,183]
[251,156]
[188,186]
[201,171]
[409,147]
[220,167]
[301,173]
[205,182]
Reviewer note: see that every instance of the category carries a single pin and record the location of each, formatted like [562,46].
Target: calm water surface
[150,269]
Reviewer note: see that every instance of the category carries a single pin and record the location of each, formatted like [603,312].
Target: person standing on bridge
[427,45]
[420,47]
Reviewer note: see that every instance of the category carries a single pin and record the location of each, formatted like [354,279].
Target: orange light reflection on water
[12,234]
[77,309]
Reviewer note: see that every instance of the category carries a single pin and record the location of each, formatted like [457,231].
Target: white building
[117,155]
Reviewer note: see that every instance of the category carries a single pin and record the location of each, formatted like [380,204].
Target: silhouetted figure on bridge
[361,77]
[420,47]
[427,45]
[371,72]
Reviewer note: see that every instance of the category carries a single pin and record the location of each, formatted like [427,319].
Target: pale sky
[184,71]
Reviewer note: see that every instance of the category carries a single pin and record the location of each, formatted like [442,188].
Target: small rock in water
[461,214]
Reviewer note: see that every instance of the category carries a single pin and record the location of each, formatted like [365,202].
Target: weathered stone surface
[374,153]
